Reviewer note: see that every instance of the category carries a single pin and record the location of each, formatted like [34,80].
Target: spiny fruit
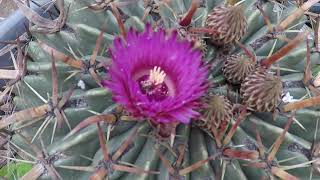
[237,67]
[261,90]
[216,114]
[228,24]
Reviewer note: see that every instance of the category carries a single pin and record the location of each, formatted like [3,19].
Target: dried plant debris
[44,25]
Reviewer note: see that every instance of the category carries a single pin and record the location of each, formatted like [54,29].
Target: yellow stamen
[157,75]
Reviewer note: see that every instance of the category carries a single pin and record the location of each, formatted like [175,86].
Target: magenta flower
[154,75]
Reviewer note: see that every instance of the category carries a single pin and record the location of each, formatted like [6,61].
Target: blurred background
[6,8]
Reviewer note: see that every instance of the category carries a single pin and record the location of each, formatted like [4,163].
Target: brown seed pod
[261,90]
[217,114]
[236,67]
[228,22]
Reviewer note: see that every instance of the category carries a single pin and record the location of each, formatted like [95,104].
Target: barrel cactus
[172,89]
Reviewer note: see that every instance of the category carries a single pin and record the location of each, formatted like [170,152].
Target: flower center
[153,85]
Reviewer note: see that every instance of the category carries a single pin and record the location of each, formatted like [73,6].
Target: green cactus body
[78,40]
